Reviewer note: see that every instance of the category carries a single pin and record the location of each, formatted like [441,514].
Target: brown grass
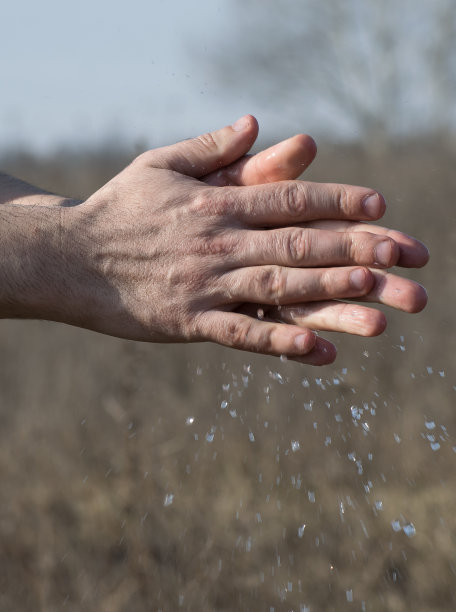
[94,439]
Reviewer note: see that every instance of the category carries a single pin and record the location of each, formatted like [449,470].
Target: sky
[87,72]
[146,73]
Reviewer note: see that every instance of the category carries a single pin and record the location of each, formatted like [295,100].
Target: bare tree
[378,69]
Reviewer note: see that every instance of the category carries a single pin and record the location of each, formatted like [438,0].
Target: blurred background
[144,477]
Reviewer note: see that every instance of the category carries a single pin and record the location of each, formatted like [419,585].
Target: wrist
[31,263]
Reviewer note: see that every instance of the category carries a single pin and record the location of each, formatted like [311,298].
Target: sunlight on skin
[288,160]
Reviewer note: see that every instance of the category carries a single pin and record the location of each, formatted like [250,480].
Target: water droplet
[301,530]
[224,404]
[356,412]
[349,595]
[283,358]
[276,376]
[169,498]
[190,420]
[409,530]
[311,496]
[430,424]
[295,446]
[251,436]
[435,446]
[379,505]
[396,525]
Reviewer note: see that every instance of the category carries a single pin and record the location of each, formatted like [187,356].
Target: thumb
[204,154]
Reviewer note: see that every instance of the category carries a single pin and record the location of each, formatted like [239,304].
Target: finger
[412,252]
[200,156]
[291,202]
[296,247]
[249,334]
[332,316]
[323,353]
[397,292]
[284,161]
[281,285]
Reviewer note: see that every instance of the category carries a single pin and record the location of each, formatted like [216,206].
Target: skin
[199,242]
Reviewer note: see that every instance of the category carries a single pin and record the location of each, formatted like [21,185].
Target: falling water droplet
[409,530]
[169,498]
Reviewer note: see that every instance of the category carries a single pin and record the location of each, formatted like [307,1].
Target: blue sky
[89,70]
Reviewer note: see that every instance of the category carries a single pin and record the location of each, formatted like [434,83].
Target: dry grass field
[139,478]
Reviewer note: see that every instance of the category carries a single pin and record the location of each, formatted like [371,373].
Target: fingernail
[383,252]
[373,206]
[240,124]
[358,278]
[301,343]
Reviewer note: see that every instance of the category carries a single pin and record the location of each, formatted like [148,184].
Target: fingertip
[323,353]
[374,205]
[376,325]
[307,144]
[246,123]
[419,301]
[422,255]
[305,341]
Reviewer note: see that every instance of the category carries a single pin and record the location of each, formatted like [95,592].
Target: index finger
[290,202]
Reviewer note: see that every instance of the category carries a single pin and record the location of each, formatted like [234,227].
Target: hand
[288,160]
[157,255]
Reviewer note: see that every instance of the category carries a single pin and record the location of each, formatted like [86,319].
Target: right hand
[159,256]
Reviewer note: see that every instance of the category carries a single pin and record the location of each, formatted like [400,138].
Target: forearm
[30,250]
[14,190]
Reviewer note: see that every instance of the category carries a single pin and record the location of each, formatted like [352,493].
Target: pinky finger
[246,333]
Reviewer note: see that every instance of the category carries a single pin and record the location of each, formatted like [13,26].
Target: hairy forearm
[30,222]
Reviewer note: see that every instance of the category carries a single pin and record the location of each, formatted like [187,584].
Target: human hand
[288,160]
[156,255]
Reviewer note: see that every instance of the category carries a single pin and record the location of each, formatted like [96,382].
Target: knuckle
[327,282]
[208,202]
[202,202]
[206,142]
[272,283]
[293,199]
[358,247]
[238,332]
[218,244]
[343,201]
[297,245]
